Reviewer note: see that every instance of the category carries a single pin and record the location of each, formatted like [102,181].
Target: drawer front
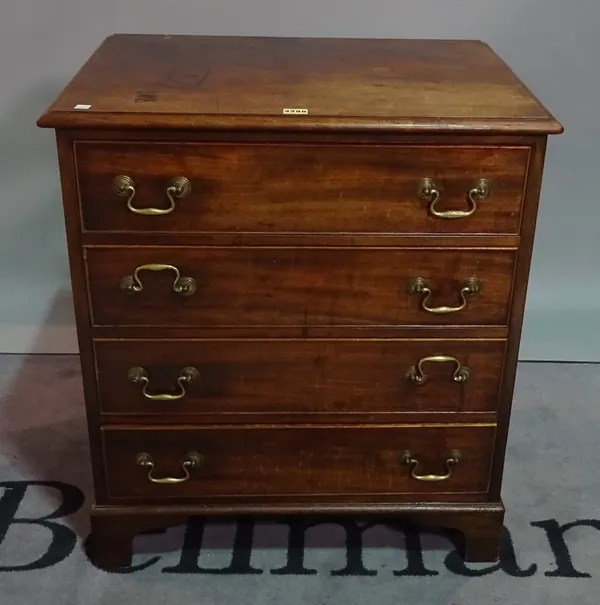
[300,188]
[237,286]
[294,461]
[237,378]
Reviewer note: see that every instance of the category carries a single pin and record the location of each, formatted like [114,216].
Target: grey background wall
[551,44]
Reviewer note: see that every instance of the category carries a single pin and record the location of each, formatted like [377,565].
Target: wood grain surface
[308,460]
[233,82]
[269,188]
[298,286]
[242,380]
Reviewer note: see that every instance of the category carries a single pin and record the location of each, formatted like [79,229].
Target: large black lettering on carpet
[54,539]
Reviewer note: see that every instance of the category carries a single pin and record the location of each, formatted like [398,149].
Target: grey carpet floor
[550,553]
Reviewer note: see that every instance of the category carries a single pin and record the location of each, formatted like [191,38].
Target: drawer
[252,286]
[237,378]
[295,461]
[272,188]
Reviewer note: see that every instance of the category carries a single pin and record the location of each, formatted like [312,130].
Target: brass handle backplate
[427,190]
[179,188]
[409,460]
[189,461]
[419,286]
[417,375]
[139,375]
[131,284]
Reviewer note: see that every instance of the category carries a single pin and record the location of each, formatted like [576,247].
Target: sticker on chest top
[295,111]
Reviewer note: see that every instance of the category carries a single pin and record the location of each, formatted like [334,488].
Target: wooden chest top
[156,81]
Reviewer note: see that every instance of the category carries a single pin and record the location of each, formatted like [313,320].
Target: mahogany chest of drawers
[299,269]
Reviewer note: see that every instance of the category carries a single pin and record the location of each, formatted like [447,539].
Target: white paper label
[80,106]
[295,111]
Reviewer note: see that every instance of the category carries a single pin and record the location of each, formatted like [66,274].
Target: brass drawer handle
[417,375]
[140,376]
[419,286]
[409,460]
[189,461]
[428,191]
[179,188]
[131,284]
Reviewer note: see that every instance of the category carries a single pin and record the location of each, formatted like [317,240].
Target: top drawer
[269,188]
